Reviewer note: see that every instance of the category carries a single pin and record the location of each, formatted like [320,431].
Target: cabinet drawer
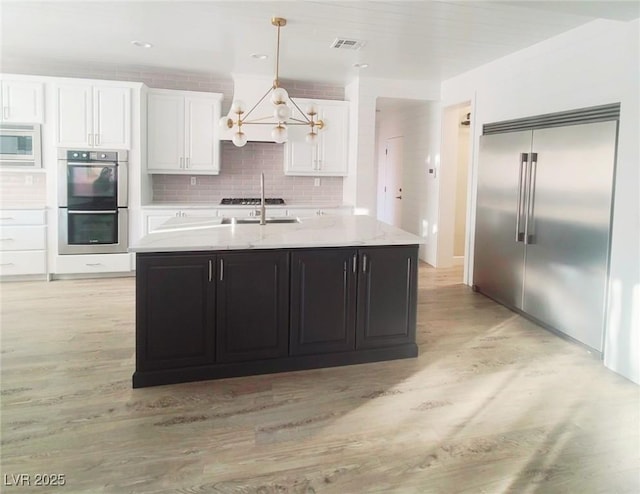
[22,238]
[94,263]
[18,263]
[22,217]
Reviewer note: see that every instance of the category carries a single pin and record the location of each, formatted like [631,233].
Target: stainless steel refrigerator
[543,223]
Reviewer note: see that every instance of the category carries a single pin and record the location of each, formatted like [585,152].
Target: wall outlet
[316,182]
[28,179]
[193,181]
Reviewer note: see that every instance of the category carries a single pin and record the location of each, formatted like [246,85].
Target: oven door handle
[70,211]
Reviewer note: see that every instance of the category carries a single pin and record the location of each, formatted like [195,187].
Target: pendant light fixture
[283,110]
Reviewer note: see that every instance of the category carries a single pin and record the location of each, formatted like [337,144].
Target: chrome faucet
[263,209]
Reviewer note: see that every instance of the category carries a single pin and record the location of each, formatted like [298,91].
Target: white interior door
[392,189]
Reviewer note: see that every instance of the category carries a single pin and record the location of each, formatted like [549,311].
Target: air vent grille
[347,44]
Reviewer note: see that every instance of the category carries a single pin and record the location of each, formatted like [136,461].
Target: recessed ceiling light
[142,44]
[360,65]
[259,56]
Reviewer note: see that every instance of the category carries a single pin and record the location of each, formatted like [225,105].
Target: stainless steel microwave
[20,146]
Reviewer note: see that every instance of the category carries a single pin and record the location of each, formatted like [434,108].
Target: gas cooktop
[251,201]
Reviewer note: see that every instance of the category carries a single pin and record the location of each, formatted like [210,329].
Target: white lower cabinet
[93,263]
[153,218]
[23,243]
[311,212]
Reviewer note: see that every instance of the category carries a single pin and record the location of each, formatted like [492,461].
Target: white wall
[420,127]
[359,187]
[595,64]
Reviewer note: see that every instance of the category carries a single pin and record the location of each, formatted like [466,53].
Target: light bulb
[279,134]
[226,123]
[239,139]
[282,112]
[311,138]
[279,95]
[312,109]
[237,106]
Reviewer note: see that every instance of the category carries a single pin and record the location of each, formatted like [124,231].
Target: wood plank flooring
[493,404]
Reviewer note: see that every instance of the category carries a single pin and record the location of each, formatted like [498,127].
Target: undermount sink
[256,221]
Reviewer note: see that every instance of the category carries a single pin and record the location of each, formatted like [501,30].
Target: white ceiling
[404,39]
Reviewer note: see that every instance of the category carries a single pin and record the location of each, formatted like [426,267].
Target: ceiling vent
[347,44]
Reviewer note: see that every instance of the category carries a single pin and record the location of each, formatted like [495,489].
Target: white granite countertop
[204,234]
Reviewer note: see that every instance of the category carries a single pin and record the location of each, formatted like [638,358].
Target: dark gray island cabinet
[223,314]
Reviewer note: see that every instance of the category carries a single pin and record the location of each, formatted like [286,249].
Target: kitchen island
[218,300]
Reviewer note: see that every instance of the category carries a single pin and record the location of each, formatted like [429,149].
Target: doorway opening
[454,221]
[390,182]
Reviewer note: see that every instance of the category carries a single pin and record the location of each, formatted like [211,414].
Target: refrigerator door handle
[524,158]
[529,226]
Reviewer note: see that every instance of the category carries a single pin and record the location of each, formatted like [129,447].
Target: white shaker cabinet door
[300,158]
[165,127]
[333,148]
[74,114]
[112,117]
[202,151]
[22,101]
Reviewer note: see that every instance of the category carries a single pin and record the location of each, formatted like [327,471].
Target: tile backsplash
[22,189]
[240,167]
[240,177]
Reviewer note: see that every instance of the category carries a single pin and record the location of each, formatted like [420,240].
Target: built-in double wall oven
[92,200]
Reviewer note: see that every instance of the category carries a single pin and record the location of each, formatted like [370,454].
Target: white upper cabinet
[329,156]
[22,102]
[93,116]
[182,131]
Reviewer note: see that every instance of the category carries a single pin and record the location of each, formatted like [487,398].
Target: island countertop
[208,234]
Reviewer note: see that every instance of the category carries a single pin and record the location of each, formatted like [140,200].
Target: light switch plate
[316,182]
[193,181]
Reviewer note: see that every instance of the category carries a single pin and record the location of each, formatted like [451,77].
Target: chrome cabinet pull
[187,163]
[355,262]
[97,139]
[210,270]
[221,269]
[364,263]
[7,264]
[524,158]
[7,218]
[5,239]
[93,264]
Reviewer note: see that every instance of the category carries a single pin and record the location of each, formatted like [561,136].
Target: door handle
[529,227]
[524,158]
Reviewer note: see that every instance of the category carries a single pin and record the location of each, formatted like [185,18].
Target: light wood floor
[493,404]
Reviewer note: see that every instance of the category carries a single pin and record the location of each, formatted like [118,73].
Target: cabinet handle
[93,264]
[7,218]
[364,263]
[5,112]
[186,162]
[181,162]
[5,239]
[221,269]
[97,139]
[355,262]
[6,264]
[408,268]
[210,270]
[90,139]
